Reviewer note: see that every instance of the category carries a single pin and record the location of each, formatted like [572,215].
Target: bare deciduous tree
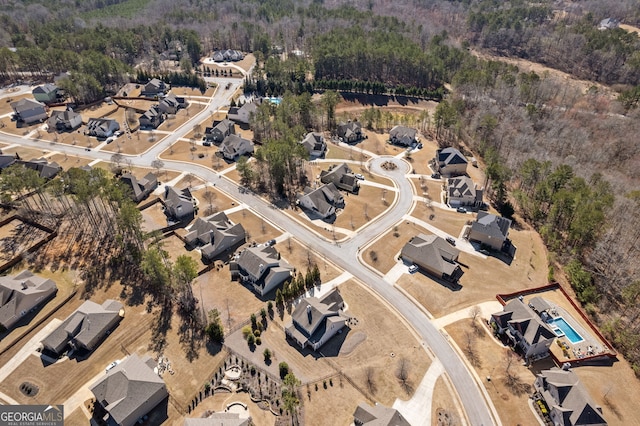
[402,374]
[370,379]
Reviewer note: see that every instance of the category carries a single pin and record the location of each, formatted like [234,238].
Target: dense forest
[561,156]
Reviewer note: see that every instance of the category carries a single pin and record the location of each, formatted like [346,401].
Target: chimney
[309,313]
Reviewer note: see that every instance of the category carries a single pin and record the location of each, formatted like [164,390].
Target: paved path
[486,309]
[6,398]
[77,399]
[396,272]
[417,410]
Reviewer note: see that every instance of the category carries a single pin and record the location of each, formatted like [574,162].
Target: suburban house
[47,93]
[178,205]
[261,267]
[219,419]
[171,103]
[215,235]
[403,136]
[129,390]
[152,118]
[461,191]
[434,255]
[141,188]
[29,111]
[244,113]
[21,294]
[322,201]
[524,328]
[341,176]
[315,321]
[568,401]
[220,130]
[64,121]
[450,162]
[85,327]
[154,87]
[227,55]
[377,415]
[234,147]
[45,169]
[490,230]
[101,127]
[350,132]
[314,144]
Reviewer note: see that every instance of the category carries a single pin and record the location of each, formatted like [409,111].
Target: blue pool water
[275,101]
[561,327]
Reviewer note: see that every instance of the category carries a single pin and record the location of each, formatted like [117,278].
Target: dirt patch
[353,342]
[510,402]
[443,407]
[153,217]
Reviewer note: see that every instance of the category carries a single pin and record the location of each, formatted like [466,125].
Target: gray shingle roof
[85,326]
[21,293]
[491,225]
[522,318]
[129,388]
[378,415]
[433,252]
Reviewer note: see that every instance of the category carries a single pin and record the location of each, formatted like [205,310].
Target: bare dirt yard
[483,278]
[192,153]
[490,359]
[369,344]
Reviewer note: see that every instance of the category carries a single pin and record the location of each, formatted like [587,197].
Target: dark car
[270,243]
[451,241]
[206,143]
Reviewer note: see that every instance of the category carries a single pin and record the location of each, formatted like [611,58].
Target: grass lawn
[24,129]
[448,221]
[67,162]
[258,229]
[338,152]
[302,257]
[24,153]
[219,201]
[389,245]
[5,105]
[191,91]
[98,111]
[442,404]
[483,278]
[360,209]
[181,151]
[341,396]
[153,217]
[175,121]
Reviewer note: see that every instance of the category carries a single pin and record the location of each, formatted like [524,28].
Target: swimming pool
[562,328]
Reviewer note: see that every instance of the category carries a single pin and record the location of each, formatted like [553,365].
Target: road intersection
[477,406]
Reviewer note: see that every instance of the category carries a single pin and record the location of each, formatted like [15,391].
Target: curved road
[345,255]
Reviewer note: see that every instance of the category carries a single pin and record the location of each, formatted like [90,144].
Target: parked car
[435,176]
[206,143]
[461,210]
[270,243]
[451,241]
[413,268]
[112,365]
[359,176]
[109,140]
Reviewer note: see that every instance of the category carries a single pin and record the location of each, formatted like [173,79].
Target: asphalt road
[345,254]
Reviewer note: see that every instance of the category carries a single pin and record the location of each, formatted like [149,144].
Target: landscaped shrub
[283,367]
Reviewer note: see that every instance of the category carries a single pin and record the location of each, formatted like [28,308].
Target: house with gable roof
[154,87]
[461,191]
[314,144]
[403,136]
[314,321]
[378,415]
[220,130]
[244,113]
[342,177]
[350,132]
[524,328]
[152,118]
[129,390]
[179,205]
[490,230]
[47,93]
[234,147]
[64,121]
[141,188]
[450,162]
[261,267]
[85,327]
[567,399]
[46,170]
[29,111]
[171,103]
[21,294]
[215,235]
[433,255]
[322,201]
[101,127]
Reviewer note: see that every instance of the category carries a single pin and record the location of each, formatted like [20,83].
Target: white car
[359,176]
[413,268]
[110,366]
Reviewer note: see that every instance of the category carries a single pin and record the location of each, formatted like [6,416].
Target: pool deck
[593,347]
